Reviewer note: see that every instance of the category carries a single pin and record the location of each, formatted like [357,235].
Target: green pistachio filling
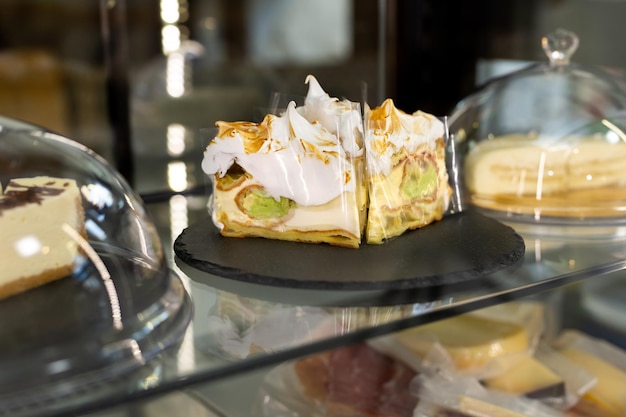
[420,182]
[258,204]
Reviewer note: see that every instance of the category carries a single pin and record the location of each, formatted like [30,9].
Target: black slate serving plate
[459,248]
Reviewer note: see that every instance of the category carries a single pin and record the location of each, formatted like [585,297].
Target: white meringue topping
[342,118]
[388,130]
[289,156]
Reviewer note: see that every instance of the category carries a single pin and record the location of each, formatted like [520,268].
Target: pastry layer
[35,248]
[336,222]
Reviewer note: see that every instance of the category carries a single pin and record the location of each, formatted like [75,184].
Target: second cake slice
[406,169]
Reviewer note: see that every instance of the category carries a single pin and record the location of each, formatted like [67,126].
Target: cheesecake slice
[406,169]
[39,219]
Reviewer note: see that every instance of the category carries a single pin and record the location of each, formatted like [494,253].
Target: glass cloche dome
[546,144]
[86,295]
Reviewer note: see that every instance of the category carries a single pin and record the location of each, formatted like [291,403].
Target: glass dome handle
[559,46]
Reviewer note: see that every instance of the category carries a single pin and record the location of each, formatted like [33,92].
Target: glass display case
[543,145]
[87,294]
[132,329]
[238,331]
[242,333]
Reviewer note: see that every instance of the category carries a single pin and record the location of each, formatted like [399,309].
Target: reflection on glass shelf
[237,327]
[178,215]
[177,176]
[603,300]
[176,139]
[233,331]
[252,321]
[174,404]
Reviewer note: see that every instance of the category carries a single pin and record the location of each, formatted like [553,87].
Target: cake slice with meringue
[324,173]
[406,170]
[344,119]
[284,178]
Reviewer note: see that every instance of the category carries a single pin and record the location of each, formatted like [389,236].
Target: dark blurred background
[188,63]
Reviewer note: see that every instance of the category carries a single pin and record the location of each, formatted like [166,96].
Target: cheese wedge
[607,398]
[530,378]
[470,342]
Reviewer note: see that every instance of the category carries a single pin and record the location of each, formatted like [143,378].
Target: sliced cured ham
[356,380]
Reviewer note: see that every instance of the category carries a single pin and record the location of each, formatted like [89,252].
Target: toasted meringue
[342,118]
[287,155]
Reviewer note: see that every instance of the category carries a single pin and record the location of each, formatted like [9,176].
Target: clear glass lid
[85,291]
[545,144]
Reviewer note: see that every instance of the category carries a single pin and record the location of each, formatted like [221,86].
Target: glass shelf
[232,332]
[237,328]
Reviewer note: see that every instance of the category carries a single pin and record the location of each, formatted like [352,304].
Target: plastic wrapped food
[505,355]
[291,178]
[466,397]
[315,174]
[352,381]
[607,363]
[239,327]
[547,376]
[475,344]
[406,171]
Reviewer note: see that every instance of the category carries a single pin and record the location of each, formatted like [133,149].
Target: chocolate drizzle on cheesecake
[27,195]
[44,221]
